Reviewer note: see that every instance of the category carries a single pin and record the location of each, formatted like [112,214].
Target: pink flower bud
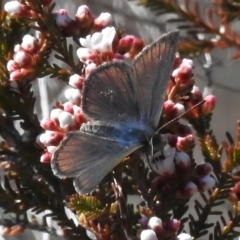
[79,115]
[206,183]
[16,9]
[169,110]
[51,149]
[184,71]
[48,124]
[66,120]
[22,73]
[46,157]
[185,144]
[76,81]
[12,66]
[137,47]
[168,106]
[89,68]
[155,224]
[68,107]
[23,59]
[62,19]
[173,225]
[51,138]
[85,54]
[187,190]
[148,235]
[83,17]
[104,20]
[189,62]
[179,109]
[144,222]
[73,95]
[30,44]
[209,104]
[54,115]
[182,159]
[184,236]
[82,10]
[125,43]
[204,169]
[18,48]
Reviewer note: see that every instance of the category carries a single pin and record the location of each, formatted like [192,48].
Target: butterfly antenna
[190,109]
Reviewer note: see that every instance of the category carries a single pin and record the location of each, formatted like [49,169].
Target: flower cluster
[179,174]
[66,117]
[174,163]
[25,59]
[182,83]
[159,230]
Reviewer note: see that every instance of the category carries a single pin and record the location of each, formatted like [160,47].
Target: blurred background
[214,72]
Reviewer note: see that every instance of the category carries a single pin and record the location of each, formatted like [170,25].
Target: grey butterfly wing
[152,70]
[108,93]
[88,157]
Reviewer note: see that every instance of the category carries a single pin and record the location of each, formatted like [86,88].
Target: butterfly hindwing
[152,73]
[89,157]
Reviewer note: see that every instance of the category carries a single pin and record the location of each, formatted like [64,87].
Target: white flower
[207,183]
[55,113]
[82,10]
[148,235]
[188,61]
[14,7]
[154,222]
[184,236]
[76,81]
[65,120]
[29,43]
[100,41]
[73,95]
[104,19]
[91,235]
[51,149]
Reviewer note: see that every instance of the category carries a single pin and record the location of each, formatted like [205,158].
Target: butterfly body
[124,106]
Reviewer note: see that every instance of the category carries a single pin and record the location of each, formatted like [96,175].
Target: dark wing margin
[88,158]
[153,68]
[108,93]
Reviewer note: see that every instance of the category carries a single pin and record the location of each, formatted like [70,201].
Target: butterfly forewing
[89,157]
[152,70]
[108,93]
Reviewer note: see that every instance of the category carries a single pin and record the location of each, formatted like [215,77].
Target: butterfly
[123,103]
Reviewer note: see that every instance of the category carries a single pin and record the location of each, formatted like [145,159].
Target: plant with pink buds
[164,170]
